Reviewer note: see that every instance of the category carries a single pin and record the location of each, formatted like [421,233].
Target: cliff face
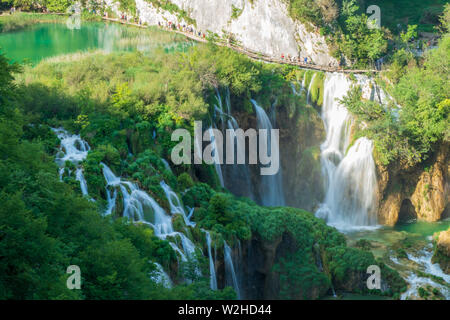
[261,25]
[420,192]
[442,251]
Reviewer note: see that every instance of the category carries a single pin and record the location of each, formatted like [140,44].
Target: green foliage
[345,28]
[185,181]
[422,121]
[45,225]
[18,21]
[359,43]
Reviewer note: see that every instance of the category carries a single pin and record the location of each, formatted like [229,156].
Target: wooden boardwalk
[253,54]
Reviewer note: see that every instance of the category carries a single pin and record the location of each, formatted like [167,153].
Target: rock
[389,209]
[442,251]
[429,197]
[263,26]
[419,192]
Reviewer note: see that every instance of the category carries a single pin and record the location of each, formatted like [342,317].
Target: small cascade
[212,269]
[83,185]
[236,177]
[271,186]
[303,82]
[424,261]
[350,177]
[308,94]
[111,201]
[74,150]
[166,165]
[138,206]
[160,276]
[215,153]
[176,206]
[230,273]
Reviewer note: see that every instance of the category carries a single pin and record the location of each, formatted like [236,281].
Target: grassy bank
[21,20]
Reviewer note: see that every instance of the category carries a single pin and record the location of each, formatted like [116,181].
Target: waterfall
[166,165]
[308,95]
[271,186]
[236,177]
[229,269]
[83,184]
[160,276]
[349,176]
[216,156]
[212,269]
[75,150]
[175,204]
[423,260]
[138,205]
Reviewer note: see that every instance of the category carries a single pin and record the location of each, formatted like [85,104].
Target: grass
[22,20]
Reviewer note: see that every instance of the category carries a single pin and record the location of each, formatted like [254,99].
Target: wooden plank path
[252,54]
[248,52]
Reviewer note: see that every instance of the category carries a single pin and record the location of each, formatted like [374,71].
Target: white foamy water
[350,178]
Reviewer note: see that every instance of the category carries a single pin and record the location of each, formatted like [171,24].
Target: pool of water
[415,265]
[425,229]
[46,40]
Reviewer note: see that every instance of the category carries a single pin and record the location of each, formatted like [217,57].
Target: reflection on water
[51,39]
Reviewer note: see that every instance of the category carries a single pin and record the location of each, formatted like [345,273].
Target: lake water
[46,40]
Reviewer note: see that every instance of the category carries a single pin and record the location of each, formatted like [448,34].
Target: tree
[328,9]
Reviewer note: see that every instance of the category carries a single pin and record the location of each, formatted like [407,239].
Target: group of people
[12,10]
[295,59]
[183,28]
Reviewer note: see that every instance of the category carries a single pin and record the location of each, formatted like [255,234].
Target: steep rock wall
[421,192]
[263,25]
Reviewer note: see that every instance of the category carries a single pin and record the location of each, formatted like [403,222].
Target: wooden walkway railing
[253,54]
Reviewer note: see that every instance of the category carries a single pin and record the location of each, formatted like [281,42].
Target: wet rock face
[421,192]
[300,139]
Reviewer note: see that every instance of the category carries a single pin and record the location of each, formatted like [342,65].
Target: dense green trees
[45,225]
[344,27]
[410,133]
[126,106]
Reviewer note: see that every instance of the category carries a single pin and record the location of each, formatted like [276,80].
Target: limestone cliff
[420,192]
[260,25]
[442,251]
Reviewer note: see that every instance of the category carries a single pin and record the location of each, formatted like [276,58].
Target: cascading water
[175,204]
[236,177]
[271,187]
[75,150]
[230,272]
[212,269]
[308,95]
[423,260]
[350,178]
[216,157]
[82,180]
[160,276]
[138,205]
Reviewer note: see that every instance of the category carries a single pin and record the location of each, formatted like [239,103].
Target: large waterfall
[271,186]
[349,173]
